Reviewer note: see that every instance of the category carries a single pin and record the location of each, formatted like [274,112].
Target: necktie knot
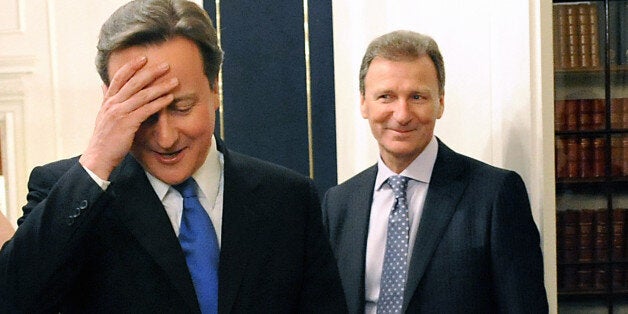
[187,188]
[399,184]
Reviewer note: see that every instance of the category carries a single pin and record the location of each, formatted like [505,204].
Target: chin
[169,176]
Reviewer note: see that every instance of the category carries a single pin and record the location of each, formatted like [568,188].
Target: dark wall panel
[264,83]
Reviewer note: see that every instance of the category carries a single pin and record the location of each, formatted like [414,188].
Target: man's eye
[417,97]
[183,108]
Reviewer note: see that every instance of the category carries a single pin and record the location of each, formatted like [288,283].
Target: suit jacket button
[77,212]
[83,204]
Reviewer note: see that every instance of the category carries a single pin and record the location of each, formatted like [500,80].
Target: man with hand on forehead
[157,215]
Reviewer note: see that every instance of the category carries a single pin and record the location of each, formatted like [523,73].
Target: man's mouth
[169,156]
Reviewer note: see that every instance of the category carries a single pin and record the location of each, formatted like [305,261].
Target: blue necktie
[395,268]
[200,245]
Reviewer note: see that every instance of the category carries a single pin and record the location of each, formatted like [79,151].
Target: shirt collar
[207,176]
[419,170]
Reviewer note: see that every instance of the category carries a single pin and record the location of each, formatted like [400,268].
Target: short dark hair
[146,22]
[404,45]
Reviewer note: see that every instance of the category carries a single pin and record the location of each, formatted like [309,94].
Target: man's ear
[215,90]
[441,106]
[363,109]
[214,86]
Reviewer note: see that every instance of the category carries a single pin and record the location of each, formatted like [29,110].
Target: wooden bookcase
[591,142]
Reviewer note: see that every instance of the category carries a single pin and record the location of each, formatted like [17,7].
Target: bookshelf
[591,149]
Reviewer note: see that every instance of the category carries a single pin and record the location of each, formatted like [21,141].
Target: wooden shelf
[614,69]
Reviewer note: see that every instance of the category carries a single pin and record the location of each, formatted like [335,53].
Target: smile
[402,131]
[169,157]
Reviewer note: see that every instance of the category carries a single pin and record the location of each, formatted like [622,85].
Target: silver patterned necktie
[395,268]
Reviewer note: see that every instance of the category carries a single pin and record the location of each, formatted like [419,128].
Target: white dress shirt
[210,180]
[419,171]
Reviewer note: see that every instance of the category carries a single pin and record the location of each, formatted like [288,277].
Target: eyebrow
[191,96]
[421,90]
[186,97]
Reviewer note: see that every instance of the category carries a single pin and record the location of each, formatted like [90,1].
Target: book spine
[585,114]
[618,245]
[573,154]
[624,157]
[585,158]
[594,35]
[617,156]
[573,41]
[561,158]
[600,251]
[585,235]
[570,236]
[560,37]
[598,116]
[560,122]
[622,45]
[625,113]
[619,234]
[571,114]
[584,35]
[617,113]
[599,157]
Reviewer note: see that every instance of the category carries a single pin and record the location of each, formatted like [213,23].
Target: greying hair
[147,22]
[403,45]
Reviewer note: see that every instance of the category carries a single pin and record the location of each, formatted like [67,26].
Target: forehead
[180,53]
[420,70]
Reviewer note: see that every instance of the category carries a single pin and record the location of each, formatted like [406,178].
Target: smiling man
[427,230]
[157,215]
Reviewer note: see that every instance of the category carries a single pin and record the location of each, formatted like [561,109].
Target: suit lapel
[238,222]
[443,194]
[145,217]
[357,224]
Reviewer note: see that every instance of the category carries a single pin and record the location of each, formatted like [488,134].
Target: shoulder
[57,167]
[450,162]
[53,170]
[364,180]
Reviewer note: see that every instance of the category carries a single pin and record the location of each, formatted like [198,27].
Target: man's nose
[401,112]
[164,131]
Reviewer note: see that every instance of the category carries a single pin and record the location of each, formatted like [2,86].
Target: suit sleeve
[322,292]
[516,256]
[40,263]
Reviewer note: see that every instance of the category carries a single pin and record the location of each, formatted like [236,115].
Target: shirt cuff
[104,184]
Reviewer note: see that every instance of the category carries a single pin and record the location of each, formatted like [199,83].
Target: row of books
[591,235]
[585,157]
[576,36]
[591,249]
[589,114]
[592,278]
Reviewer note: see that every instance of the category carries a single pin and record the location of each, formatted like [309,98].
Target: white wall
[494,93]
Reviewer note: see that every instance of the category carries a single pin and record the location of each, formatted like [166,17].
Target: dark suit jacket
[477,248]
[79,249]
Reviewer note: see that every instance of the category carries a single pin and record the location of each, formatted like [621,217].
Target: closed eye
[183,105]
[182,108]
